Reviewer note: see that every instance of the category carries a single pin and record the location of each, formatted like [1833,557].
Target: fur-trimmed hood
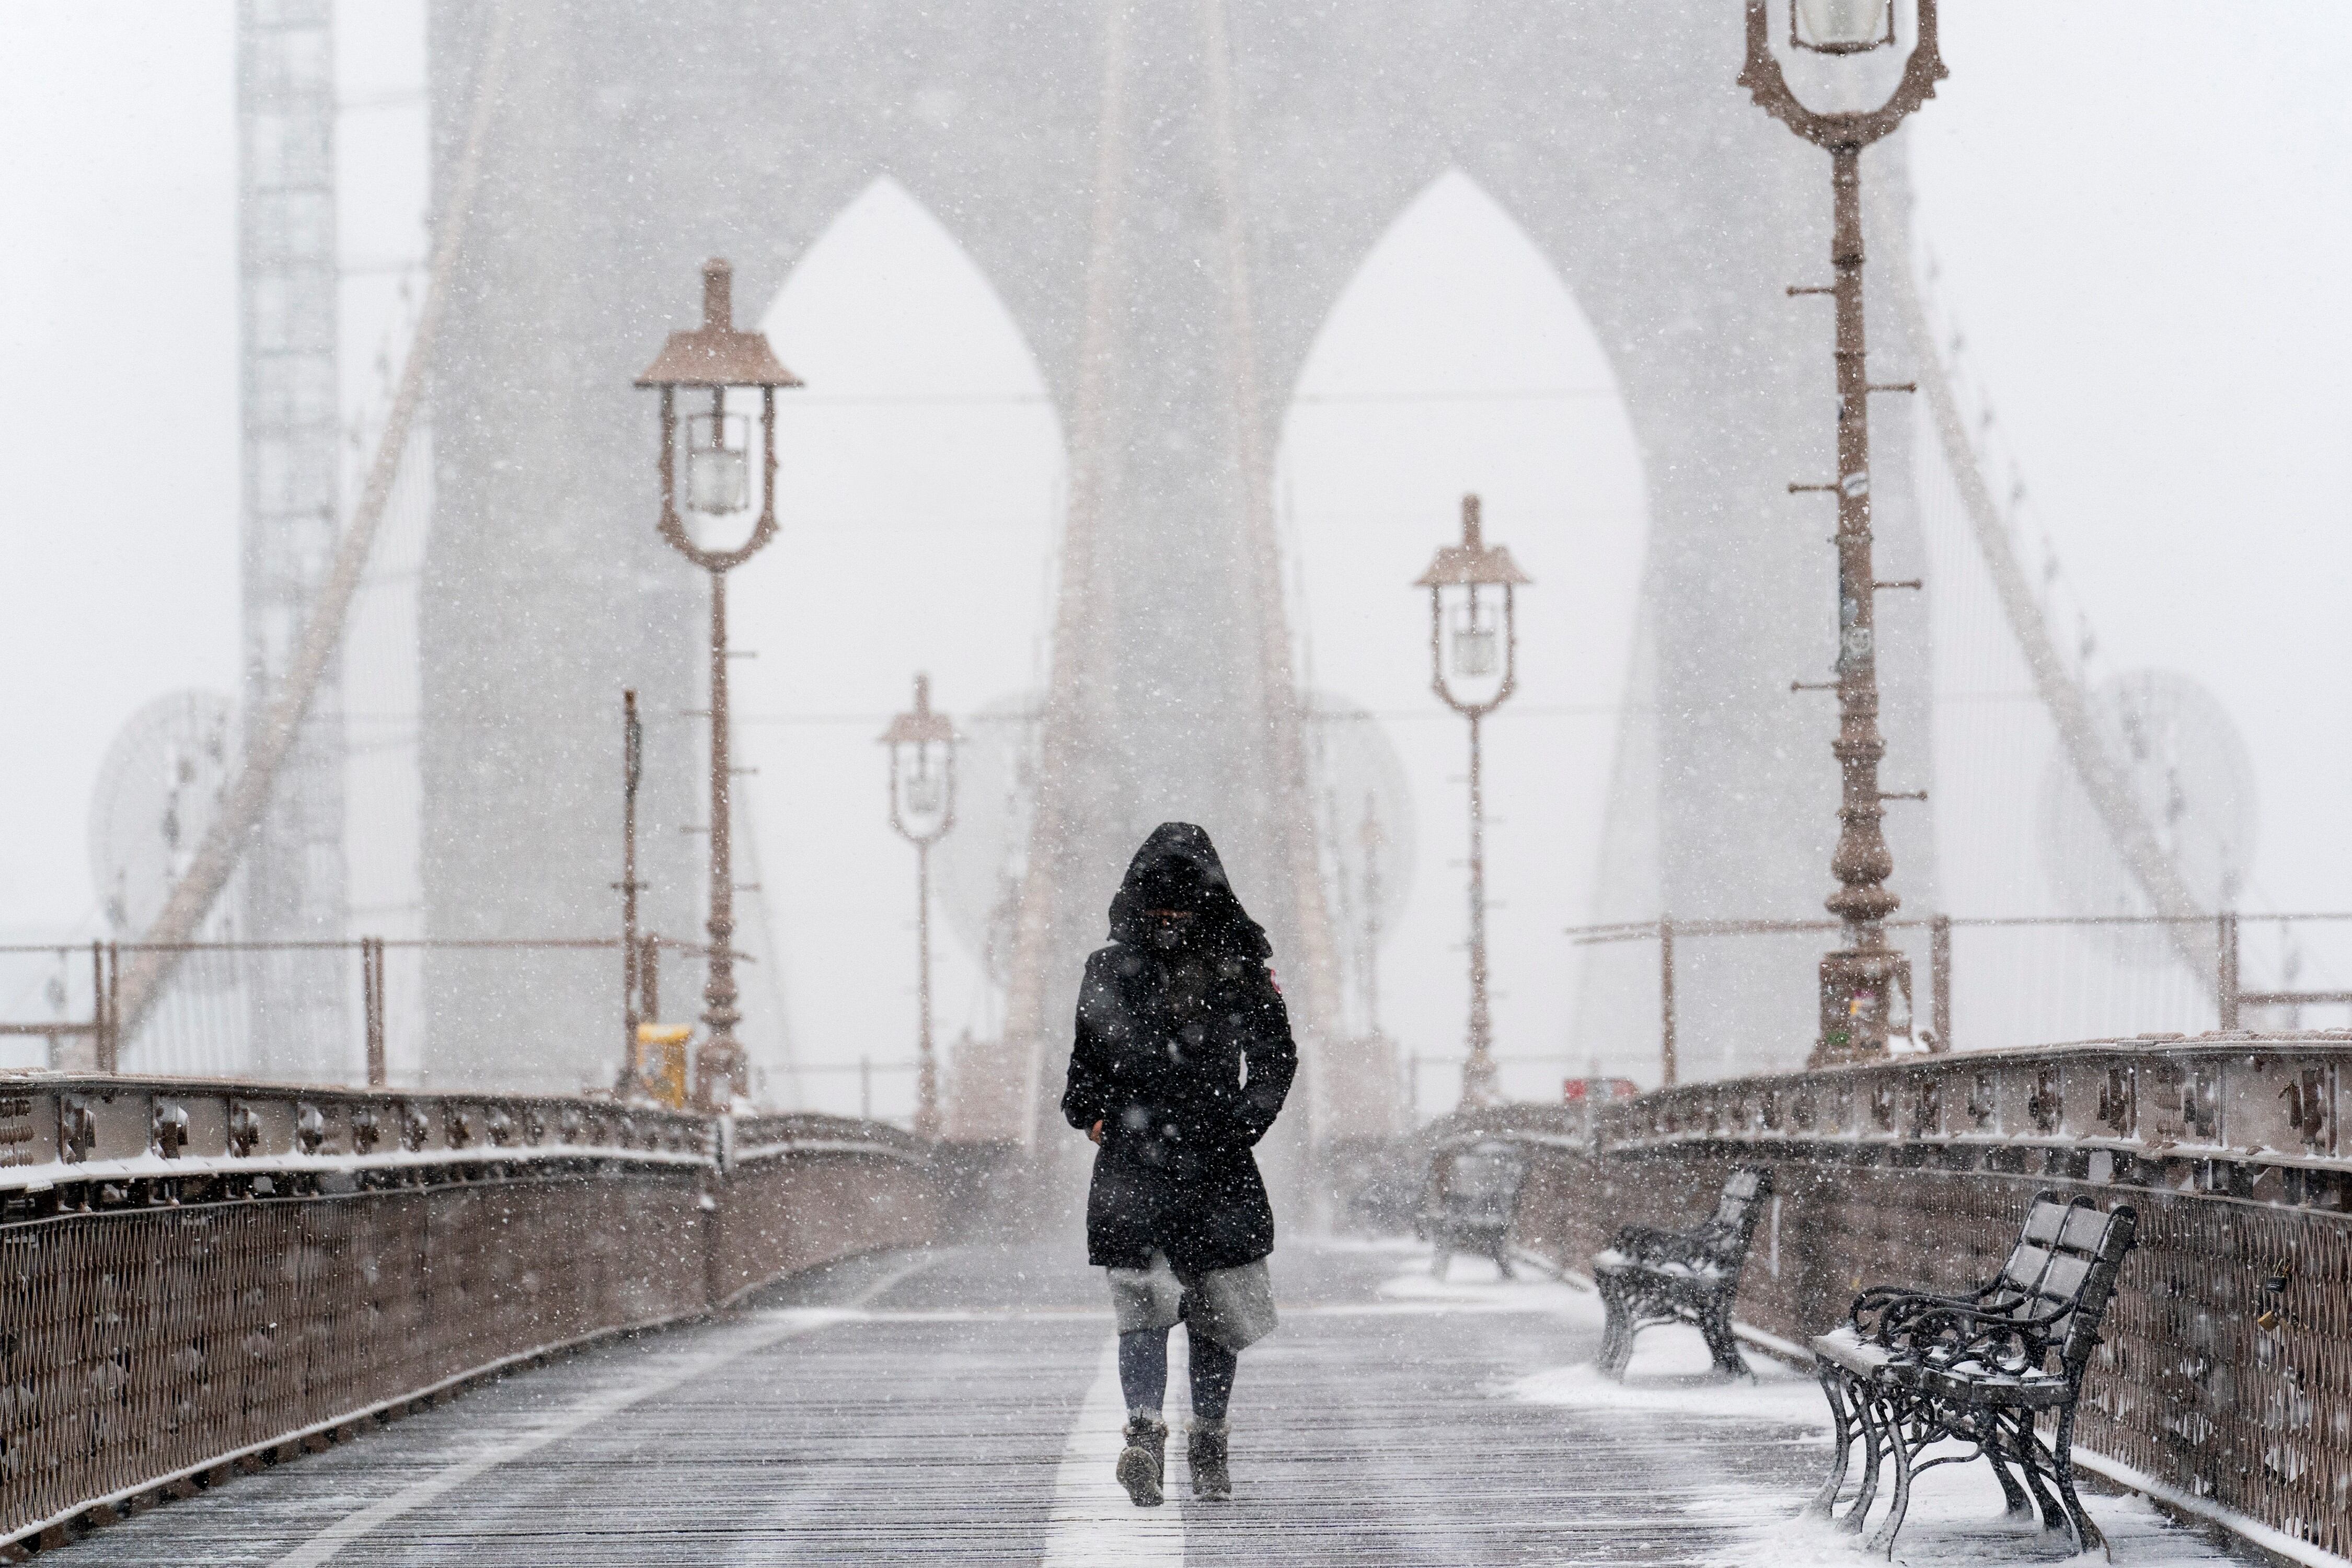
[1177,869]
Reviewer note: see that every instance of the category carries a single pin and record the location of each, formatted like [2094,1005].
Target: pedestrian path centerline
[1094,1521]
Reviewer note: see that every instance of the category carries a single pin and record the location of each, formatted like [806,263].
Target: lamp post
[632,759]
[727,522]
[1865,983]
[1373,840]
[922,809]
[1466,636]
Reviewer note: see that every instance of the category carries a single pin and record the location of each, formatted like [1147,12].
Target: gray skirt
[1233,1307]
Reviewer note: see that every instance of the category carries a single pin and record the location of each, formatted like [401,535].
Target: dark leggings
[1143,1371]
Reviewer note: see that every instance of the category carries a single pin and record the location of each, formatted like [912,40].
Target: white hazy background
[2138,210]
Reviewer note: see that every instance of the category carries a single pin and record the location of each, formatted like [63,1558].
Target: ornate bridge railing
[195,1275]
[2225,1383]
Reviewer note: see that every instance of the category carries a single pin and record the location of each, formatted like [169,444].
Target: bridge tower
[1169,200]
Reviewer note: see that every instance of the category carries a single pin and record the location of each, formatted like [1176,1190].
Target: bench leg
[1867,1410]
[2029,1447]
[1901,1451]
[1715,1324]
[2078,1519]
[1834,1388]
[1617,1338]
[1437,1265]
[1502,1259]
[2013,1494]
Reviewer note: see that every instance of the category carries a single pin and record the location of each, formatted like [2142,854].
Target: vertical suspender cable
[1277,684]
[1082,626]
[2068,703]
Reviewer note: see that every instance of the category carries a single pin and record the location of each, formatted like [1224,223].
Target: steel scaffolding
[294,871]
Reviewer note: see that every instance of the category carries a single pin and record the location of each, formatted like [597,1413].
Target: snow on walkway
[963,1407]
[1957,1518]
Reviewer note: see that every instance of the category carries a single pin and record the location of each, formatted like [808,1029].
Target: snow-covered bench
[1473,1197]
[1908,1370]
[1649,1276]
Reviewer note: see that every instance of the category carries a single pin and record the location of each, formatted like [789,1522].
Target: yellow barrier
[660,1070]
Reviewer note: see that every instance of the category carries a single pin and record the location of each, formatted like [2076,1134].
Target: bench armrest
[1880,1300]
[1945,1334]
[1648,1243]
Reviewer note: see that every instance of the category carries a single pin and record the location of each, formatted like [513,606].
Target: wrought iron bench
[1473,1199]
[1648,1277]
[1910,1370]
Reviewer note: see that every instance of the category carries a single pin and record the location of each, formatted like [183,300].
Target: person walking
[1182,1061]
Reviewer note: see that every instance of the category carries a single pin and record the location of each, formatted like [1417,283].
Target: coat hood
[1177,869]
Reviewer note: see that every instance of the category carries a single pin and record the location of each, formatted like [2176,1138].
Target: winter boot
[1143,1463]
[1205,1451]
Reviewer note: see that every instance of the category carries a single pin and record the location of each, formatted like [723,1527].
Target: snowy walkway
[960,1408]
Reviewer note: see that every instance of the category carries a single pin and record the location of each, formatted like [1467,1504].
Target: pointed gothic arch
[923,464]
[1169,199]
[1456,359]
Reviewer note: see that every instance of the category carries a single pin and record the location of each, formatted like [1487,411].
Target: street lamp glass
[718,464]
[1843,27]
[927,790]
[1476,643]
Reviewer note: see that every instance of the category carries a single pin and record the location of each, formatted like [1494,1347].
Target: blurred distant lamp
[1866,983]
[922,809]
[1842,26]
[714,362]
[1474,638]
[926,792]
[1471,620]
[1472,615]
[926,785]
[922,767]
[718,464]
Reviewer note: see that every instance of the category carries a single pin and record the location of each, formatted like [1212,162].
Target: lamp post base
[720,1077]
[1478,1086]
[1863,992]
[927,1095]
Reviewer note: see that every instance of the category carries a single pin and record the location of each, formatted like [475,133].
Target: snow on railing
[204,1272]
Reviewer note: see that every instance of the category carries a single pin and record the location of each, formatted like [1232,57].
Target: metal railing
[1417,1063]
[204,1275]
[865,1068]
[104,1025]
[2268,1099]
[2223,1372]
[2221,981]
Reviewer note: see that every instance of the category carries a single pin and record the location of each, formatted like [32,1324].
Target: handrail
[147,1136]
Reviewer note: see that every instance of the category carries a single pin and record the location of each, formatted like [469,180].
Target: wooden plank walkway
[960,1407]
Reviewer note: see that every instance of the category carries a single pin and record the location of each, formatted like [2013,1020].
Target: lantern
[922,768]
[729,372]
[1475,637]
[1472,634]
[718,464]
[1842,26]
[922,809]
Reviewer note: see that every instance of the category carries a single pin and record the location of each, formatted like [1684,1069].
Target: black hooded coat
[1183,1054]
